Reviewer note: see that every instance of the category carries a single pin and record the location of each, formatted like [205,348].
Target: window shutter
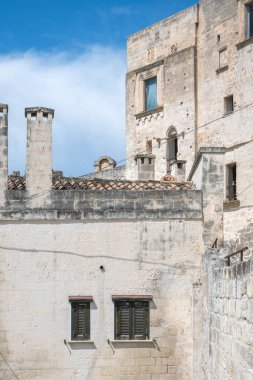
[80,321]
[123,321]
[141,320]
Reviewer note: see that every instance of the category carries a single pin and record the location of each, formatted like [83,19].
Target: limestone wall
[166,50]
[228,319]
[42,263]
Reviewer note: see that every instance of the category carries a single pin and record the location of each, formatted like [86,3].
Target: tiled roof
[16,182]
[64,183]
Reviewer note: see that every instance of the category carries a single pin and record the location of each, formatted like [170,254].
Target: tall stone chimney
[3,152]
[39,149]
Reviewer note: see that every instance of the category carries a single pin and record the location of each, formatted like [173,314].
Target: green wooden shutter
[80,321]
[122,320]
[141,320]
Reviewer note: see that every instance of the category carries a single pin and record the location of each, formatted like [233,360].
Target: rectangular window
[80,320]
[231,182]
[229,104]
[249,31]
[223,58]
[150,94]
[131,320]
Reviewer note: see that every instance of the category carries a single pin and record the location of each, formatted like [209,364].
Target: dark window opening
[231,182]
[150,161]
[131,320]
[33,116]
[172,145]
[150,94]
[250,20]
[229,104]
[45,116]
[149,147]
[80,320]
[142,160]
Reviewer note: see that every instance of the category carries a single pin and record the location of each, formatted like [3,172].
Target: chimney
[39,149]
[3,152]
[145,164]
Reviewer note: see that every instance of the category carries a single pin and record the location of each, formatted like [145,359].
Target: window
[231,182]
[223,58]
[80,319]
[172,144]
[229,104]
[249,24]
[150,94]
[131,320]
[149,147]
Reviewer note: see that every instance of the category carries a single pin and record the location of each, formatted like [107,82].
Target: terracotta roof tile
[66,183]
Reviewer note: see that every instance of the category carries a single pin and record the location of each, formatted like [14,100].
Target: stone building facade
[112,276]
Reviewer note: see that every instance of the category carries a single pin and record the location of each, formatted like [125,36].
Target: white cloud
[87,93]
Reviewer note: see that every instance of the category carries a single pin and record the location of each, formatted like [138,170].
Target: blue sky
[70,55]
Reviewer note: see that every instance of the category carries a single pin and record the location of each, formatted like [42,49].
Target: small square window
[150,94]
[131,320]
[80,320]
[229,104]
[249,23]
[231,182]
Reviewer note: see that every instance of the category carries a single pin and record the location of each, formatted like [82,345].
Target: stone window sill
[221,69]
[148,113]
[231,204]
[246,42]
[228,113]
[132,341]
[80,341]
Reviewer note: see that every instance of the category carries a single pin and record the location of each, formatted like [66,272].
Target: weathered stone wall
[44,262]
[167,50]
[117,173]
[227,319]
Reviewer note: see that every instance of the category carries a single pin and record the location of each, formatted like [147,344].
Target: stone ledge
[244,43]
[221,69]
[231,204]
[148,113]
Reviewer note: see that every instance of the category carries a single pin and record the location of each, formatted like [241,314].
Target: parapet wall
[96,204]
[228,319]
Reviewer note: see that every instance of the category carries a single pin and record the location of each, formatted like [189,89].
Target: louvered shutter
[123,320]
[141,320]
[80,321]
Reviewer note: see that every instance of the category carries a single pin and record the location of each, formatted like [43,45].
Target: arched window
[172,147]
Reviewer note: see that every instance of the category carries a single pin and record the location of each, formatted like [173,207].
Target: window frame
[231,184]
[227,110]
[146,81]
[75,303]
[133,306]
[249,21]
[143,74]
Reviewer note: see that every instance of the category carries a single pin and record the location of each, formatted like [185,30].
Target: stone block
[158,369]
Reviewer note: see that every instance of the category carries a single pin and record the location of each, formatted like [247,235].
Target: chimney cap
[39,109]
[3,107]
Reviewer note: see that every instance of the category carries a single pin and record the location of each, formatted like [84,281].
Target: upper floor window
[150,94]
[229,104]
[249,26]
[172,144]
[231,182]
